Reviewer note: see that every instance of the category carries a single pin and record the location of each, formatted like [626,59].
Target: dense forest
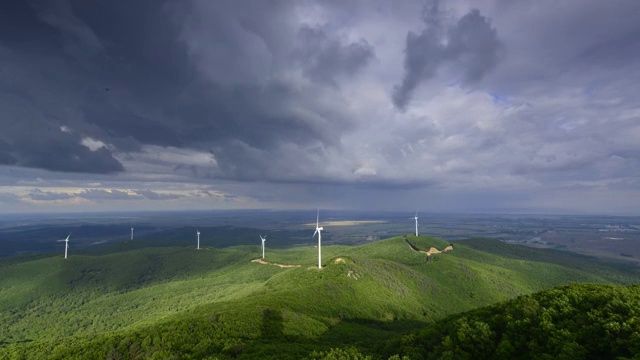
[577,321]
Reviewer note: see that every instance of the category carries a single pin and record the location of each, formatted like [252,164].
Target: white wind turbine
[319,232]
[198,232]
[416,218]
[263,240]
[131,233]
[66,245]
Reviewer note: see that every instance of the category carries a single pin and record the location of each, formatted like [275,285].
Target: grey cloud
[102,194]
[474,43]
[614,50]
[40,195]
[79,40]
[216,195]
[234,43]
[141,128]
[152,195]
[470,46]
[69,157]
[567,46]
[8,198]
[6,158]
[194,171]
[113,194]
[423,56]
[260,106]
[325,58]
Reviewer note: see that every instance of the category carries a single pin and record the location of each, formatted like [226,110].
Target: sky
[485,106]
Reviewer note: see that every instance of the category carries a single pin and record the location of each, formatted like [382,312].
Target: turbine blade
[314,234]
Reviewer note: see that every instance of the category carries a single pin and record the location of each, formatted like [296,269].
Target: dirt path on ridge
[260,261]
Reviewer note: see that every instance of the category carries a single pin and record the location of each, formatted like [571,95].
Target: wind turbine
[66,245]
[416,218]
[263,240]
[319,232]
[198,232]
[132,233]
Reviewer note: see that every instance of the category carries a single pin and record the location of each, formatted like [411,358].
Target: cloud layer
[274,104]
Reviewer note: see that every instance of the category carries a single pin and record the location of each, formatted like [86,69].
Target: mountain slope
[183,302]
[577,321]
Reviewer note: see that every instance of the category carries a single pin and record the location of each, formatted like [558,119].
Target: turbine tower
[131,233]
[416,218]
[198,232]
[263,240]
[66,245]
[319,232]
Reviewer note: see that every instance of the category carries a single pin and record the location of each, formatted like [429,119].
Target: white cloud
[173,156]
[92,144]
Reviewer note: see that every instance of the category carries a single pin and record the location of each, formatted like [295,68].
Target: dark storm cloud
[77,39]
[30,139]
[38,84]
[260,116]
[79,64]
[324,57]
[470,46]
[68,157]
[243,53]
[190,75]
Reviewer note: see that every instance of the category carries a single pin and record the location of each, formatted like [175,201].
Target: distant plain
[613,237]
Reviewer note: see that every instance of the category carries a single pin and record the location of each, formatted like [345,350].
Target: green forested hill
[164,302]
[577,321]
